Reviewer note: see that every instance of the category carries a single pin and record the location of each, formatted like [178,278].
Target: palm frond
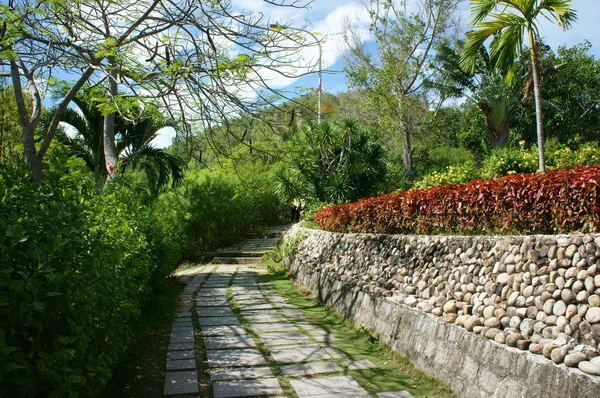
[75,120]
[475,40]
[505,47]
[160,166]
[480,10]
[561,10]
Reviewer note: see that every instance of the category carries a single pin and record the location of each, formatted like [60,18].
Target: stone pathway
[252,336]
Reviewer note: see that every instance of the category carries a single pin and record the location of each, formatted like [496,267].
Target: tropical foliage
[332,163]
[92,223]
[514,160]
[511,23]
[555,202]
[135,132]
[76,268]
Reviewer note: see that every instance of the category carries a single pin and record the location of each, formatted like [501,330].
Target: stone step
[236,260]
[239,254]
[266,235]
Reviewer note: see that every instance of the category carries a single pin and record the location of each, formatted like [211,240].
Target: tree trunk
[537,94]
[110,148]
[1,133]
[498,130]
[407,154]
[34,163]
[35,169]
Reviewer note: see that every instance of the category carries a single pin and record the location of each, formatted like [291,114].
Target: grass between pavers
[287,388]
[205,386]
[393,372]
[142,372]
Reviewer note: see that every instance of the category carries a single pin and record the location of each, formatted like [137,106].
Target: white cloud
[327,29]
[333,24]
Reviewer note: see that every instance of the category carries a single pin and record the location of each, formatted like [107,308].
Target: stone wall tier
[500,316]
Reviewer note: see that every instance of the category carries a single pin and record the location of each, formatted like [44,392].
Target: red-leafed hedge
[559,201]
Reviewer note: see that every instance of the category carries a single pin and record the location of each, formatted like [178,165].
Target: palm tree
[484,86]
[509,22]
[134,146]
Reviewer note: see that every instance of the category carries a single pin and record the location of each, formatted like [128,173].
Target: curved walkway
[253,338]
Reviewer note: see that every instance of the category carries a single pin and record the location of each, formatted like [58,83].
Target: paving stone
[255,307]
[273,327]
[286,306]
[248,295]
[329,387]
[312,368]
[299,353]
[182,354]
[360,364]
[322,335]
[239,373]
[307,326]
[216,289]
[223,330]
[181,364]
[265,318]
[251,291]
[245,290]
[242,302]
[272,311]
[245,293]
[334,352]
[215,311]
[181,383]
[395,394]
[211,293]
[248,281]
[246,388]
[285,338]
[218,292]
[294,315]
[236,357]
[276,299]
[180,346]
[183,324]
[182,337]
[227,342]
[182,329]
[211,303]
[224,320]
[183,315]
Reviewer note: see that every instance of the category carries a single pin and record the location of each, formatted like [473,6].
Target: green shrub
[459,174]
[510,161]
[76,268]
[212,209]
[562,157]
[507,161]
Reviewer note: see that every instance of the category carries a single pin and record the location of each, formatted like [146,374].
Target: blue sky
[326,18]
[333,11]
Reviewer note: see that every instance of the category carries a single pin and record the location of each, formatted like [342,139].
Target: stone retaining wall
[492,316]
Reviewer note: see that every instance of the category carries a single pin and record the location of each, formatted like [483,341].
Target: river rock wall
[531,299]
